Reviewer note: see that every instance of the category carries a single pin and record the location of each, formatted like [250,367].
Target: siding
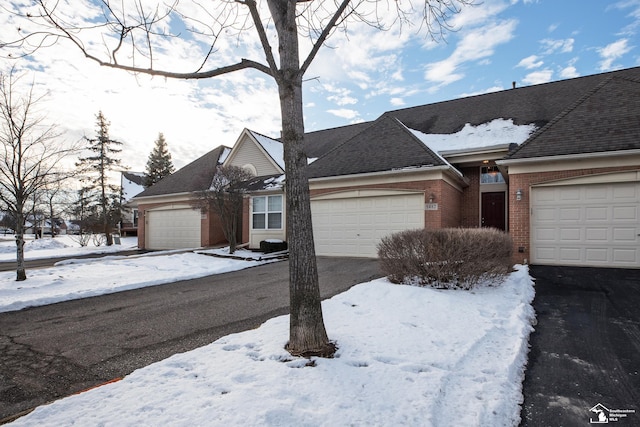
[249,153]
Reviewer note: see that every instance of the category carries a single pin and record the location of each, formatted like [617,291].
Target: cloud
[537,77]
[612,52]
[475,45]
[569,72]
[529,62]
[631,29]
[344,113]
[557,46]
[340,96]
[397,102]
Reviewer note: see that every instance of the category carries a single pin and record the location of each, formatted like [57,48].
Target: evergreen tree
[159,164]
[96,168]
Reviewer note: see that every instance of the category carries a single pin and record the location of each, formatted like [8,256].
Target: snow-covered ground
[60,246]
[407,356]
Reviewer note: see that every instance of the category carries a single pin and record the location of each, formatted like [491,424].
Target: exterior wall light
[432,198]
[518,194]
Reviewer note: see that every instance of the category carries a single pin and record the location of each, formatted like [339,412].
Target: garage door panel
[625,192]
[354,226]
[624,235]
[629,256]
[570,234]
[599,213]
[569,214]
[625,213]
[597,234]
[569,194]
[597,255]
[588,224]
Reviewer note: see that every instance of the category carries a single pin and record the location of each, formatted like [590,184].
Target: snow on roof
[495,132]
[131,189]
[272,147]
[224,154]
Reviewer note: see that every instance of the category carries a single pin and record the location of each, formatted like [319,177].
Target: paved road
[586,346]
[52,351]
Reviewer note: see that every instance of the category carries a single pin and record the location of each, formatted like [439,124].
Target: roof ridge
[564,113]
[613,74]
[417,140]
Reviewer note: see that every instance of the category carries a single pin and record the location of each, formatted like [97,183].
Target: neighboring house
[166,218]
[131,184]
[556,164]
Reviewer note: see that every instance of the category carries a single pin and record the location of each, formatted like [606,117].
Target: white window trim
[267,212]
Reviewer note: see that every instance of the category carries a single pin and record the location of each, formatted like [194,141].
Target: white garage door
[594,225]
[173,229]
[353,223]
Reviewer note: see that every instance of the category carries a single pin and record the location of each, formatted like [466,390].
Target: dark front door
[493,210]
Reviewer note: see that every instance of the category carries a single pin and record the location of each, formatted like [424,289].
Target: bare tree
[129,43]
[31,154]
[225,196]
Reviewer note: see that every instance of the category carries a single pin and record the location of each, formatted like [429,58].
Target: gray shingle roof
[320,142]
[537,104]
[606,118]
[195,176]
[384,145]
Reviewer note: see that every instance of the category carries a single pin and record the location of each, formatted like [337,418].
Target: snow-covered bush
[446,258]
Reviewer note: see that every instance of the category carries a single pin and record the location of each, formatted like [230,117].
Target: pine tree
[97,168]
[159,164]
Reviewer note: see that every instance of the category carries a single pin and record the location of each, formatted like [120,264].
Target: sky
[406,355]
[358,75]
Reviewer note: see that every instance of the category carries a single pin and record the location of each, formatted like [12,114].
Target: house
[131,184]
[557,165]
[167,219]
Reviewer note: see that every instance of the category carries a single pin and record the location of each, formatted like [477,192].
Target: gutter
[582,156]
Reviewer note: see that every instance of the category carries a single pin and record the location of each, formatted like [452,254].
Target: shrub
[446,258]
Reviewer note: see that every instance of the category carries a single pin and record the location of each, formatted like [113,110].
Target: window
[491,175]
[267,212]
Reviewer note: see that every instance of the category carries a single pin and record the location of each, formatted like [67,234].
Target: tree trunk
[21,272]
[307,334]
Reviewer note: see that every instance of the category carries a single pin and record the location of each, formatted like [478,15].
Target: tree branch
[323,36]
[264,41]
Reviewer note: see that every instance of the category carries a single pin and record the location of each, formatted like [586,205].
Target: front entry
[493,210]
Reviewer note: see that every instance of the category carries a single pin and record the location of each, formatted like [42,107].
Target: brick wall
[519,214]
[470,209]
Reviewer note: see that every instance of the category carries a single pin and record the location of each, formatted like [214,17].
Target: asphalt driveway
[585,349]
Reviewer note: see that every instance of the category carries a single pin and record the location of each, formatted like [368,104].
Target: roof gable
[383,146]
[607,118]
[263,153]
